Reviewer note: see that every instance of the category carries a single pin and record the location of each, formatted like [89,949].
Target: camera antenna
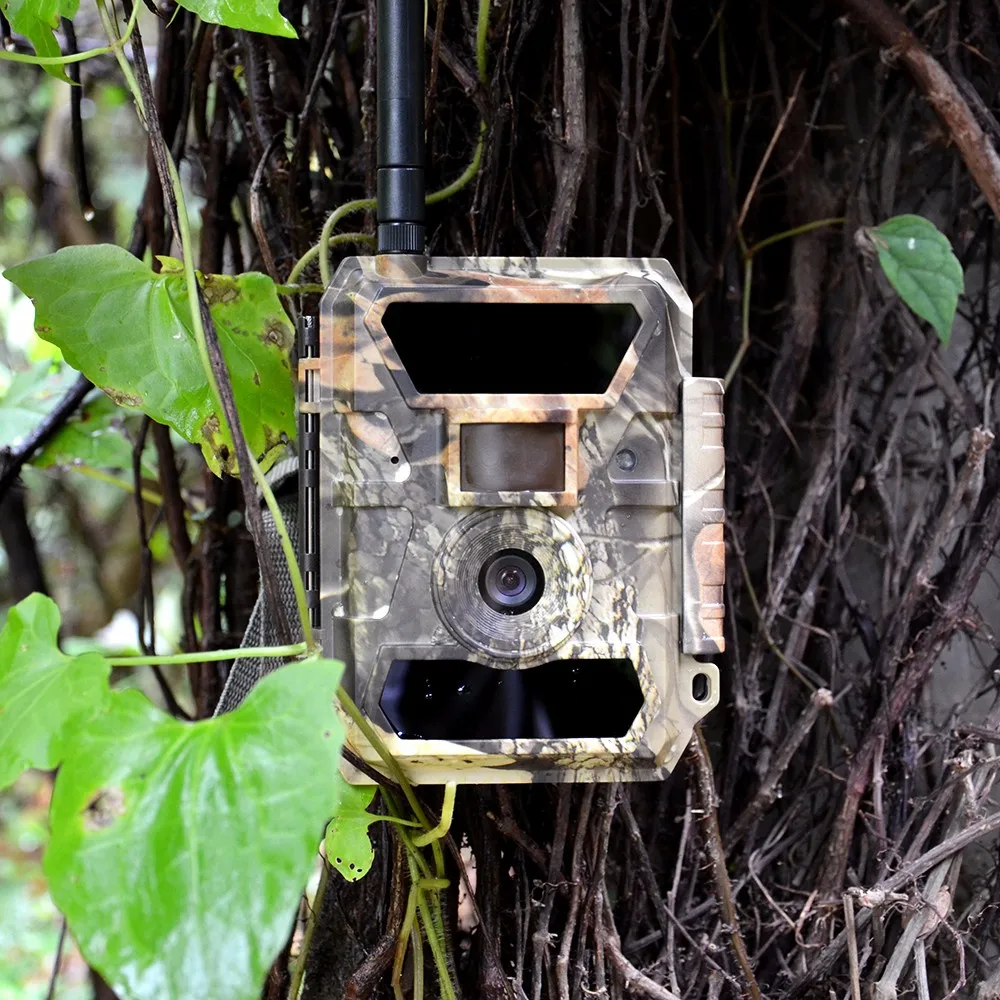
[400,118]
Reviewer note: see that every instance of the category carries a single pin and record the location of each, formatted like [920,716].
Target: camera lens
[511,581]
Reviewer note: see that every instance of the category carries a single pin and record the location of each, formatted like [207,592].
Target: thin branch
[940,90]
[634,979]
[768,790]
[717,854]
[575,111]
[57,961]
[767,152]
[14,459]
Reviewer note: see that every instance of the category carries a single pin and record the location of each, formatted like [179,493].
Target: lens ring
[530,634]
[511,581]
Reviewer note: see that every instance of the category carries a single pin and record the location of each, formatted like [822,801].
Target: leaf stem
[482,29]
[117,44]
[435,941]
[313,252]
[748,256]
[470,171]
[788,234]
[444,824]
[150,496]
[358,205]
[347,703]
[405,930]
[209,655]
[76,57]
[398,820]
[298,977]
[744,322]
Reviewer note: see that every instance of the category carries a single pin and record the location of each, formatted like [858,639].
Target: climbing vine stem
[210,655]
[748,255]
[194,307]
[117,44]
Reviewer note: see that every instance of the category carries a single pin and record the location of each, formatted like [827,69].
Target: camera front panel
[517,514]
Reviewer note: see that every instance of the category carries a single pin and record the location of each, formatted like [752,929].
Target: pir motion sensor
[511,493]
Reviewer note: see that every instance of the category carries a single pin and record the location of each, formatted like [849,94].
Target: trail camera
[512,491]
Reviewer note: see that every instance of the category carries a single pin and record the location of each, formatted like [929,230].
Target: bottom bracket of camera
[465,701]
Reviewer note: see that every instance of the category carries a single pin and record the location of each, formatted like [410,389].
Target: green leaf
[179,850]
[30,396]
[36,20]
[44,694]
[94,435]
[920,264]
[129,331]
[348,847]
[262,15]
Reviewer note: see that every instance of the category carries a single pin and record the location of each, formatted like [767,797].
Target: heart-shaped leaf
[179,850]
[262,16]
[920,264]
[347,845]
[36,20]
[44,694]
[129,331]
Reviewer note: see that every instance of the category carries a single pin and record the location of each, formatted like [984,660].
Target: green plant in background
[152,901]
[915,256]
[920,264]
[29,922]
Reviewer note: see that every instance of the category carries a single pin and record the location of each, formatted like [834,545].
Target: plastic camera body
[512,496]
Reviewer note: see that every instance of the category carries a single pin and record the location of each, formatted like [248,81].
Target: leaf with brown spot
[124,398]
[347,844]
[106,806]
[128,329]
[179,850]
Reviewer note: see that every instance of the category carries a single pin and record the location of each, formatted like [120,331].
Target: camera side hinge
[309,461]
[703,571]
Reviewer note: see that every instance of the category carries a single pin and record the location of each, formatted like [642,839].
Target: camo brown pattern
[635,553]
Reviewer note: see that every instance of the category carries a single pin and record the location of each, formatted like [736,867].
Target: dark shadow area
[519,347]
[461,700]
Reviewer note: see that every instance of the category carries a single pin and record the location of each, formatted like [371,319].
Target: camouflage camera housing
[512,514]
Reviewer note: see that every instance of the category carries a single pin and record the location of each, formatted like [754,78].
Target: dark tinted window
[510,347]
[460,700]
